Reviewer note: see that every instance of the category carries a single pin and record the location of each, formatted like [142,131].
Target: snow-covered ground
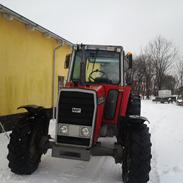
[167,141]
[167,164]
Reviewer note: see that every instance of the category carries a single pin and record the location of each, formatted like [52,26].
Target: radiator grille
[70,100]
[84,102]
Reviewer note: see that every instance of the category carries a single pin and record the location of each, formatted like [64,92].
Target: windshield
[100,66]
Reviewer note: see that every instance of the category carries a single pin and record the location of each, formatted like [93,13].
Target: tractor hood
[99,89]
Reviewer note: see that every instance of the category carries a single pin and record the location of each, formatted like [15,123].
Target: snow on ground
[167,164]
[167,140]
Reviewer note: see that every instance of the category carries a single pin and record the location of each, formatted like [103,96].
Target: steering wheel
[91,79]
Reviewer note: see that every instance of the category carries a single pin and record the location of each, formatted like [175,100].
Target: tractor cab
[94,65]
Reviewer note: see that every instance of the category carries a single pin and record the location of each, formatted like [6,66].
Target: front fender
[136,119]
[31,108]
[39,115]
[38,110]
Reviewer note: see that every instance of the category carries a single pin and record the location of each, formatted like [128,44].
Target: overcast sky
[130,23]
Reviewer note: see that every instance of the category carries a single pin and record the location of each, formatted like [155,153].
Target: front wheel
[23,159]
[27,144]
[137,155]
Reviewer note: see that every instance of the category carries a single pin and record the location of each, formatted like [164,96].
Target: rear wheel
[137,155]
[25,147]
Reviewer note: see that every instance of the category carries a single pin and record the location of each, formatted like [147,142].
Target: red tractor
[97,102]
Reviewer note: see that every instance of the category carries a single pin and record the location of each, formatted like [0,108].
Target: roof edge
[4,9]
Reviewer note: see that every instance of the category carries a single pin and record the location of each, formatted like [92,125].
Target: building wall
[26,65]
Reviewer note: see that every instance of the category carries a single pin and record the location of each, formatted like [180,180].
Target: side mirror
[130,60]
[67,61]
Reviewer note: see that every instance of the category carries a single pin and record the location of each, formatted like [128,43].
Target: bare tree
[144,72]
[179,68]
[151,68]
[148,74]
[162,53]
[169,82]
[138,75]
[179,77]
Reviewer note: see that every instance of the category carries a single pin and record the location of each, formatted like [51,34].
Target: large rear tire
[137,155]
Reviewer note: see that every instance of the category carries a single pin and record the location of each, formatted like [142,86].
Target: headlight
[64,129]
[85,132]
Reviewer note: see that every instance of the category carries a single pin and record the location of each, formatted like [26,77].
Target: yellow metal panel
[26,66]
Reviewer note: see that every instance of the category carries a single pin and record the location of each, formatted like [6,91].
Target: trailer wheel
[26,146]
[137,155]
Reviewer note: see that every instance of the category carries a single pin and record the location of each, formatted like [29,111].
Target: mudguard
[40,116]
[31,108]
[35,110]
[136,119]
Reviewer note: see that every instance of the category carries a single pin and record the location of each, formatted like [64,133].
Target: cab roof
[98,47]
